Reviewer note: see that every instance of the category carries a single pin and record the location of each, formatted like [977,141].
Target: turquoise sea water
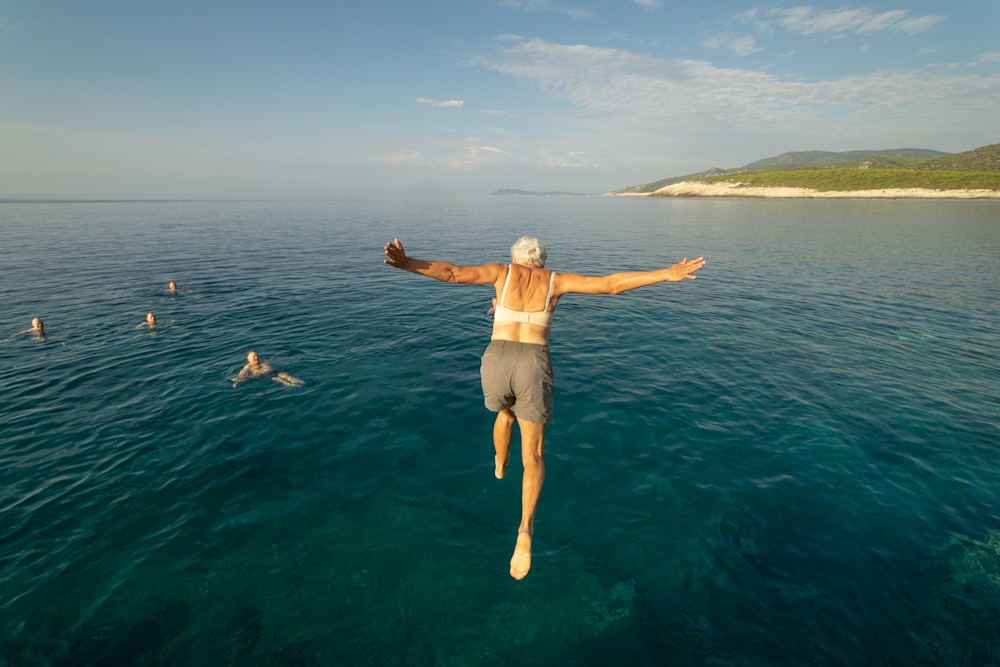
[793,460]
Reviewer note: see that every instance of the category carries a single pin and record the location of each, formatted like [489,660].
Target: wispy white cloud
[443,104]
[648,4]
[917,25]
[400,158]
[991,57]
[613,86]
[546,6]
[805,20]
[498,113]
[468,155]
[475,157]
[569,160]
[741,45]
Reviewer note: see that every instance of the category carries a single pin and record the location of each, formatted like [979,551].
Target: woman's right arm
[616,283]
[447,272]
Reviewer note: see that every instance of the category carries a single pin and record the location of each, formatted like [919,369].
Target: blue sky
[331,99]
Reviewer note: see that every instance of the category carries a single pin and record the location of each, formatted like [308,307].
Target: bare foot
[501,466]
[520,562]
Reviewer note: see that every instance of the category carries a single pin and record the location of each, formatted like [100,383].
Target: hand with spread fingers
[684,269]
[395,255]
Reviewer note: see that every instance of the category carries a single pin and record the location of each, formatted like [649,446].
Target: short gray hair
[529,249]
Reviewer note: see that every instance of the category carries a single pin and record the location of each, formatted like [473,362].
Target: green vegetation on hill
[825,180]
[820,157]
[898,168]
[986,158]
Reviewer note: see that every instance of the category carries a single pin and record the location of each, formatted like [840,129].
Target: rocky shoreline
[734,189]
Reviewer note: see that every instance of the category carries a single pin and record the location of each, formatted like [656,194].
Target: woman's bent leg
[503,429]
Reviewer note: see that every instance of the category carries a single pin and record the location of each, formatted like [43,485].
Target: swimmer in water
[172,287]
[150,322]
[260,368]
[37,328]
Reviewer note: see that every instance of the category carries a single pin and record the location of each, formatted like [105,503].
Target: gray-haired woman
[516,369]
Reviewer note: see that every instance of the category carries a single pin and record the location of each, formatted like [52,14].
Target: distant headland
[905,173]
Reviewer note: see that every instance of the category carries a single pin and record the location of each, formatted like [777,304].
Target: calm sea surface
[793,460]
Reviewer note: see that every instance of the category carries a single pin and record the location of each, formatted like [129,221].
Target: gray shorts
[518,376]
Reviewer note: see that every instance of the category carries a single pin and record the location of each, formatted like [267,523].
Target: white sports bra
[542,318]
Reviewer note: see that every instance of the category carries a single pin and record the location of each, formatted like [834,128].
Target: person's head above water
[253,358]
[172,287]
[151,319]
[37,326]
[528,250]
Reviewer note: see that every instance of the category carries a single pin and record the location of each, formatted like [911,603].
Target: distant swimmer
[150,322]
[258,368]
[37,328]
[172,287]
[516,369]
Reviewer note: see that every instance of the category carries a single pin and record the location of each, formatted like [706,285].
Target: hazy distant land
[529,193]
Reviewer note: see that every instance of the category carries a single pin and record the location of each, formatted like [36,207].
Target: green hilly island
[896,169]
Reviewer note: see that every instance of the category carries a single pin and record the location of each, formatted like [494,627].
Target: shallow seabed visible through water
[792,460]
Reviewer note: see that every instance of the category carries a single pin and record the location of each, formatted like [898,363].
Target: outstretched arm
[616,283]
[447,272]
